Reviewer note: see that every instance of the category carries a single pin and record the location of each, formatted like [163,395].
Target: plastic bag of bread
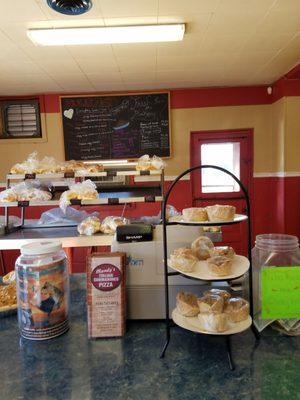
[109,224]
[28,166]
[25,191]
[92,168]
[78,191]
[89,226]
[146,163]
[35,166]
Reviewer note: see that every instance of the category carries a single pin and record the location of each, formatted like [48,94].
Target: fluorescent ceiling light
[104,35]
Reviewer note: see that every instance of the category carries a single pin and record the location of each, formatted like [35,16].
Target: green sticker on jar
[280,292]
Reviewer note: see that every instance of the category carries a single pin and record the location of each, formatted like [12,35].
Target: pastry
[226,251]
[109,224]
[214,322]
[8,295]
[183,259]
[219,292]
[219,265]
[195,214]
[211,303]
[220,213]
[93,167]
[146,163]
[186,304]
[237,309]
[202,247]
[89,226]
[9,278]
[8,195]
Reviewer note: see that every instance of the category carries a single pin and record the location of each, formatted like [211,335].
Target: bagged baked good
[219,292]
[146,163]
[8,195]
[202,247]
[237,309]
[220,213]
[219,265]
[211,303]
[183,259]
[81,167]
[24,191]
[78,191]
[214,322]
[109,224]
[9,278]
[194,214]
[225,251]
[8,295]
[35,166]
[89,226]
[186,304]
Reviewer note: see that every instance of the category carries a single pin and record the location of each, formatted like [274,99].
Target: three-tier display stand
[239,268]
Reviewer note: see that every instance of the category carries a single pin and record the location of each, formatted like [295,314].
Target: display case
[241,265]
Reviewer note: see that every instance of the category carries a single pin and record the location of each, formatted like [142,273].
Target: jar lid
[44,247]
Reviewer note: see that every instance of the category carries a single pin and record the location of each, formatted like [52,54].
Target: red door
[233,150]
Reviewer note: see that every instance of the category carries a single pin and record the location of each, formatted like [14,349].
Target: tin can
[42,290]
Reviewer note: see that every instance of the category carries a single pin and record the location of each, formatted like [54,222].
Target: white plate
[240,266]
[237,218]
[194,324]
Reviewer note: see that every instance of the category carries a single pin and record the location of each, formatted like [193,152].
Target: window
[20,119]
[225,155]
[231,150]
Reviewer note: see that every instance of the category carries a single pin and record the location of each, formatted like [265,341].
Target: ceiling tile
[131,20]
[132,64]
[234,22]
[135,50]
[91,52]
[264,42]
[130,8]
[98,66]
[107,77]
[167,7]
[244,5]
[218,42]
[57,66]
[138,77]
[20,10]
[284,21]
[109,87]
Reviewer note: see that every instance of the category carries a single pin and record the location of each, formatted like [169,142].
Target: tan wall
[268,122]
[292,137]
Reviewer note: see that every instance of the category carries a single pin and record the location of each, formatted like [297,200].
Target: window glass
[225,155]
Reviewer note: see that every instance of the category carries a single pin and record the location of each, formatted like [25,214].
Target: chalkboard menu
[116,127]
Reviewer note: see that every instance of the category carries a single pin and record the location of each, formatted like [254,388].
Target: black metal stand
[165,249]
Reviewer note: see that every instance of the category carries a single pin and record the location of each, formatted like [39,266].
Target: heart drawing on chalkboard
[69,113]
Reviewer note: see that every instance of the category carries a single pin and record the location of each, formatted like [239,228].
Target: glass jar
[271,250]
[42,290]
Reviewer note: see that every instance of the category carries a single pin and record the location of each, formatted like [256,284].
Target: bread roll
[214,322]
[219,292]
[202,247]
[219,265]
[237,309]
[225,251]
[109,224]
[183,259]
[194,214]
[186,304]
[211,304]
[220,213]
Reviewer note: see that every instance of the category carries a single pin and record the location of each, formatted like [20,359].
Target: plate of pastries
[223,214]
[214,312]
[8,294]
[205,261]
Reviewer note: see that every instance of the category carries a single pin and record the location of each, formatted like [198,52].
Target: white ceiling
[227,43]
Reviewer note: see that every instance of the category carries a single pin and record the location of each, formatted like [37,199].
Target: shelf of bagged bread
[83,174]
[99,201]
[30,203]
[240,265]
[178,220]
[195,324]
